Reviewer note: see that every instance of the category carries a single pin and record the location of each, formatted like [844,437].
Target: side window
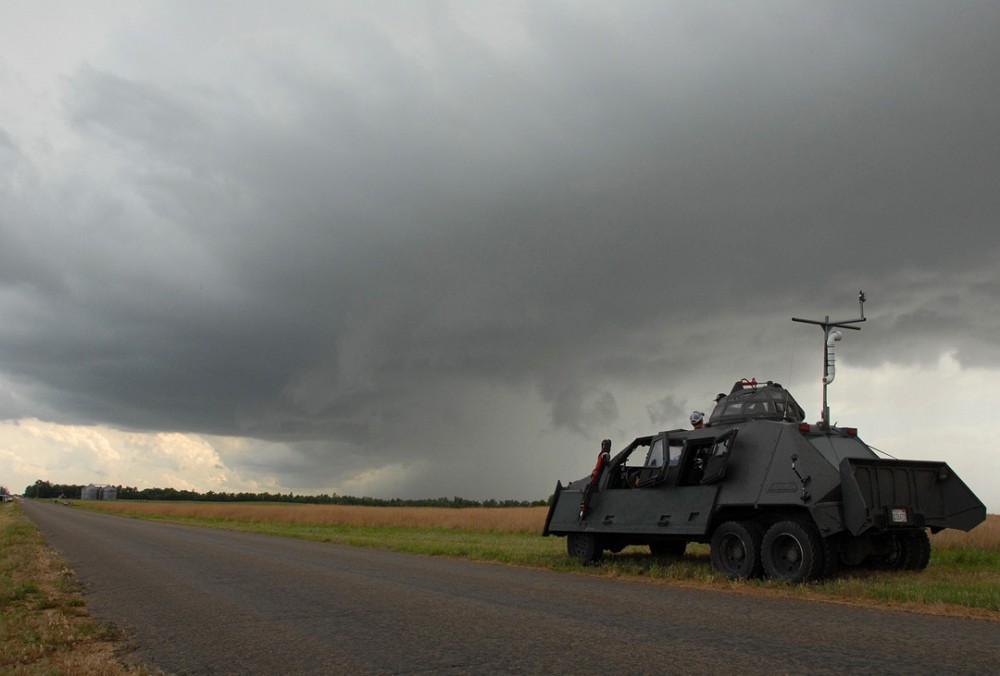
[734,408]
[655,457]
[706,460]
[625,468]
[753,408]
[654,470]
[715,464]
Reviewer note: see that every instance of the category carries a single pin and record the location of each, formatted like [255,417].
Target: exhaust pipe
[831,368]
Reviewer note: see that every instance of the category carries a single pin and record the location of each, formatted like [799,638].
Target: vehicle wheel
[667,548]
[892,554]
[917,551]
[792,552]
[584,547]
[736,549]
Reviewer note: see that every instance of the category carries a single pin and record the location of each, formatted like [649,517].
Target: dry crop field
[984,537]
[520,520]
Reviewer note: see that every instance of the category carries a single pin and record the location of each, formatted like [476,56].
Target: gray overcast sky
[425,249]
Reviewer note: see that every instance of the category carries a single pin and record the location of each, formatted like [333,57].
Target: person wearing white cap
[697,420]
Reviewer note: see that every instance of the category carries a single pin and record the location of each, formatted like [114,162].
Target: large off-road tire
[916,551]
[792,551]
[736,549]
[891,553]
[669,548]
[584,547]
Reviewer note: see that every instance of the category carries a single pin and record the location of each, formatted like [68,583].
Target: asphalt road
[203,601]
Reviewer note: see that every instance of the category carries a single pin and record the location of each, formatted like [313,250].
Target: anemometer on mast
[829,338]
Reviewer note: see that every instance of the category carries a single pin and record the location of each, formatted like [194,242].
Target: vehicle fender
[827,516]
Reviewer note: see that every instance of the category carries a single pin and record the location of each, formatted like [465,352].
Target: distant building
[95,492]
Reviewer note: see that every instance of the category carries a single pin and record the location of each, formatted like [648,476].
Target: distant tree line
[44,489]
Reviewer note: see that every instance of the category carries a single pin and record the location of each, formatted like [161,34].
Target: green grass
[955,580]
[517,549]
[967,559]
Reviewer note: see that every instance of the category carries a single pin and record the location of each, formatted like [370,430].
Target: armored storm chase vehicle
[771,493]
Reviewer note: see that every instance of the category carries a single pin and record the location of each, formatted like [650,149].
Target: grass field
[511,520]
[963,577]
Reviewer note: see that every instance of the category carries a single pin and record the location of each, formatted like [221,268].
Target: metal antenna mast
[829,338]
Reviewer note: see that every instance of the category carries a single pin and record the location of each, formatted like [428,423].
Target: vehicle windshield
[764,403]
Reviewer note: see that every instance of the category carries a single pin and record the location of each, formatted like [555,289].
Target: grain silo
[99,492]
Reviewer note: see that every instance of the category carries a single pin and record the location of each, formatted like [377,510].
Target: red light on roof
[851,431]
[804,427]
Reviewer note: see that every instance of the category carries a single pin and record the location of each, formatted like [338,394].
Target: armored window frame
[706,458]
[652,473]
[619,472]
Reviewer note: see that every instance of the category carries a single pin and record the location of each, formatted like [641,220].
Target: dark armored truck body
[771,493]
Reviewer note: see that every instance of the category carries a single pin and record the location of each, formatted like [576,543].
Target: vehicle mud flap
[831,557]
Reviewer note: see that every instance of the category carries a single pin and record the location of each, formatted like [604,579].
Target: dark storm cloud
[632,195]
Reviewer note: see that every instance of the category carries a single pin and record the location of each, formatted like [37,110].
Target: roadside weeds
[45,627]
